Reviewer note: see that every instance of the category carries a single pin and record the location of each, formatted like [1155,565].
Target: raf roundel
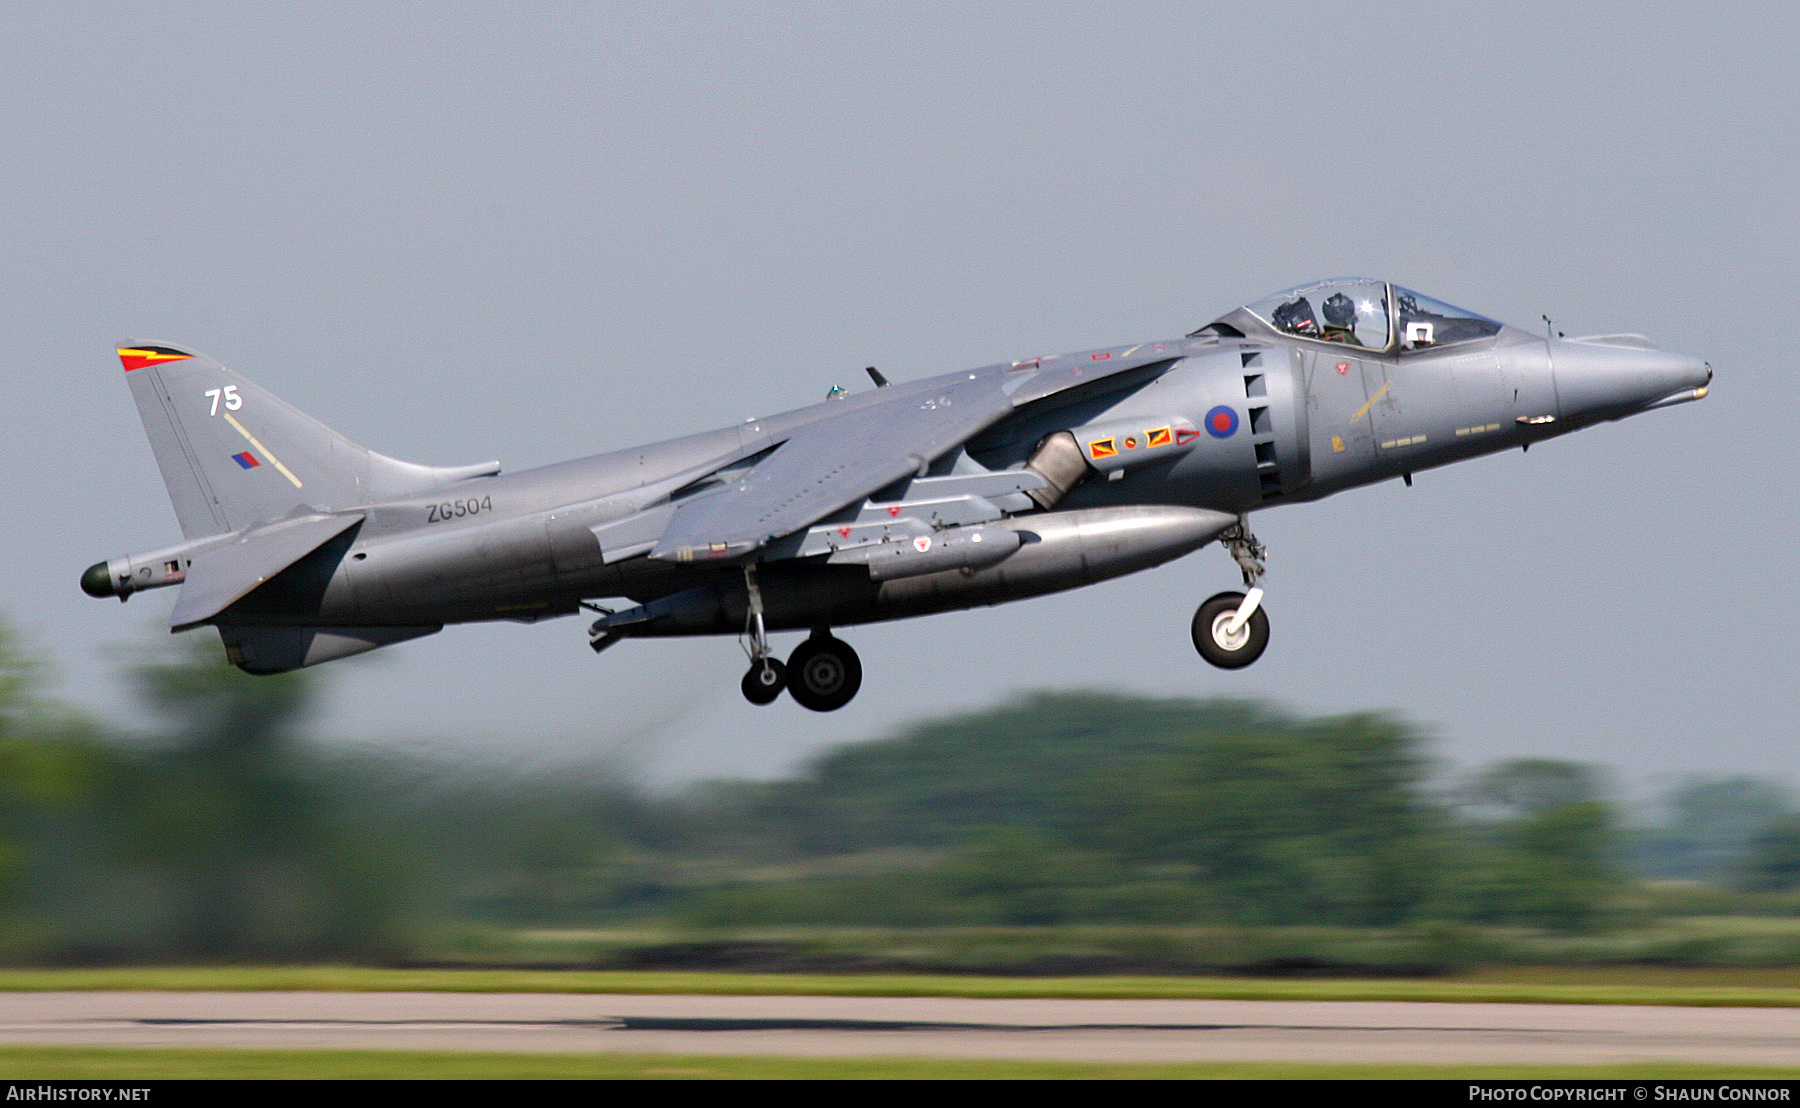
[1222,422]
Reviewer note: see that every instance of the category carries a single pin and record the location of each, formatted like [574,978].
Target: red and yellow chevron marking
[1102,448]
[137,357]
[1158,436]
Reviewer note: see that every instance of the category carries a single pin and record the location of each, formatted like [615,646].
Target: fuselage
[1307,419]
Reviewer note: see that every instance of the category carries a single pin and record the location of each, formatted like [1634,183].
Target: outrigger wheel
[1223,639]
[823,673]
[764,681]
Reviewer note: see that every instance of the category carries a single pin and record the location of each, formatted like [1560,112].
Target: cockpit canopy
[1375,315]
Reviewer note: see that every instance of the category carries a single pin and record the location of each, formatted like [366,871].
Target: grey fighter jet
[971,488]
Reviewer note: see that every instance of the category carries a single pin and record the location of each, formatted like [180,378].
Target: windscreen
[1352,311]
[1425,324]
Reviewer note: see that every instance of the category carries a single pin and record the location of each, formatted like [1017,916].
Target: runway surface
[1097,1030]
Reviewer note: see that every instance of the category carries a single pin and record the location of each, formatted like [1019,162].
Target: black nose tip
[96,581]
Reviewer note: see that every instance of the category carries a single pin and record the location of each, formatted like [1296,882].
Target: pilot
[1340,320]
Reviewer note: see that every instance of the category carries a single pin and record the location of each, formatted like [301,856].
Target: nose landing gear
[1225,639]
[1231,630]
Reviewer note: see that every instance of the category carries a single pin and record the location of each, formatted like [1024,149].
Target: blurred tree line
[224,835]
[1088,807]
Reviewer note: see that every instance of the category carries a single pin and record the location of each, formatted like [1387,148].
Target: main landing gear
[1231,630]
[822,673]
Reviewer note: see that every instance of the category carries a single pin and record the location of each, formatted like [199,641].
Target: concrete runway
[1097,1030]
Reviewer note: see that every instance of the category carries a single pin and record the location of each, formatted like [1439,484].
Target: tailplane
[233,454]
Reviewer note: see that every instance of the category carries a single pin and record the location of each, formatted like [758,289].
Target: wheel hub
[1221,631]
[823,675]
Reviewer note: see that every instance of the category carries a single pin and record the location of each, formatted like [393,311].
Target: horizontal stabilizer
[223,575]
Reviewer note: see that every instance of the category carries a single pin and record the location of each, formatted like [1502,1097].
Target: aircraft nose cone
[97,580]
[1607,379]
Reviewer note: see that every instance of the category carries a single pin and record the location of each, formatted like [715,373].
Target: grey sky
[535,231]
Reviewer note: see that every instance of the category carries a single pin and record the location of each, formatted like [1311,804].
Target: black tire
[1238,651]
[823,674]
[764,681]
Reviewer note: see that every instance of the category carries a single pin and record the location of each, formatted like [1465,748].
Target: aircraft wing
[838,460]
[829,463]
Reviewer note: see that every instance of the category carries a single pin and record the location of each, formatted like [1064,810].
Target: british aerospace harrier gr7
[967,489]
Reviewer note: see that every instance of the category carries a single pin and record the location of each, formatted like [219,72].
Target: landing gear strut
[1231,630]
[766,677]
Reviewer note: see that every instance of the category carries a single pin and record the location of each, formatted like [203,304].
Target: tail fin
[233,454]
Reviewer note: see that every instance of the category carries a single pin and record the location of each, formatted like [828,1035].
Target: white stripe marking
[265,451]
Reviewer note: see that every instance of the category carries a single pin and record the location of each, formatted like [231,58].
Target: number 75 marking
[232,400]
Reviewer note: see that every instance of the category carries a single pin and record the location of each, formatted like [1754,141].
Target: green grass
[1122,949]
[1728,987]
[1649,976]
[149,1064]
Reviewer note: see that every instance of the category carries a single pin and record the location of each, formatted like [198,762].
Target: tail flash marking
[137,357]
[263,450]
[247,460]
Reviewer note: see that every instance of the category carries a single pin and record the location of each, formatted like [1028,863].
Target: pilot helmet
[1339,311]
[1295,317]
